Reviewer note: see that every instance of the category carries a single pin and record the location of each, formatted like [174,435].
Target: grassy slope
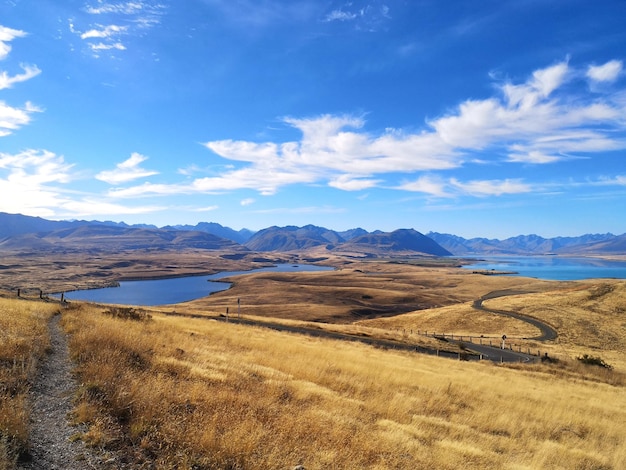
[202,394]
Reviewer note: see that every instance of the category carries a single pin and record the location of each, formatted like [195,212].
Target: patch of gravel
[50,431]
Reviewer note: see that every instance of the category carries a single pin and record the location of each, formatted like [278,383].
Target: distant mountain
[241,236]
[17,224]
[20,232]
[353,233]
[398,241]
[531,244]
[103,238]
[613,245]
[292,238]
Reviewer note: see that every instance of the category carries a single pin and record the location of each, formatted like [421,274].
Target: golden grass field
[195,393]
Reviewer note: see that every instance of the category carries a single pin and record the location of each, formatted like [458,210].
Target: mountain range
[20,232]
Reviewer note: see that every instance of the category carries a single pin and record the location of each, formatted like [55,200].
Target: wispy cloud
[6,36]
[368,17]
[608,72]
[12,118]
[104,32]
[116,23]
[106,47]
[482,188]
[7,81]
[126,171]
[127,8]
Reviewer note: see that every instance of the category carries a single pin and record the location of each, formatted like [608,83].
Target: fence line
[481,340]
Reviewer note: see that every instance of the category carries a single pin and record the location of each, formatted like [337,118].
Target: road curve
[473,352]
[547,332]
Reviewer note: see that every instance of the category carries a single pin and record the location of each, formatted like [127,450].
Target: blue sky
[477,118]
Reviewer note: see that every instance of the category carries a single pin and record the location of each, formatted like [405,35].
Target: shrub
[594,361]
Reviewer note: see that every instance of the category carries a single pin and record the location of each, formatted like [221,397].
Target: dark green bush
[594,361]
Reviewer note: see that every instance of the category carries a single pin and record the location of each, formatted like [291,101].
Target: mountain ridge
[17,230]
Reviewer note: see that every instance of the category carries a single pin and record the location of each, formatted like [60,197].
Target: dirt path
[51,395]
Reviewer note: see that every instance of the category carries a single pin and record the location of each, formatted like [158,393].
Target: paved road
[474,351]
[547,332]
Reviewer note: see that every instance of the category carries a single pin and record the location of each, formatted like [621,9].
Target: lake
[554,268]
[173,290]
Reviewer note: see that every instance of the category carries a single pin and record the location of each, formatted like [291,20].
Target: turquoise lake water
[173,290]
[553,267]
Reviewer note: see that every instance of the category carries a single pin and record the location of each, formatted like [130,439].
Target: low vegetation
[195,393]
[23,342]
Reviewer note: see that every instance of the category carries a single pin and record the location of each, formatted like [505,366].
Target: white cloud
[32,182]
[7,81]
[352,183]
[452,187]
[106,47]
[127,8]
[25,180]
[339,15]
[205,209]
[126,171]
[608,72]
[481,188]
[248,201]
[6,36]
[121,19]
[12,118]
[427,184]
[533,156]
[105,32]
[367,17]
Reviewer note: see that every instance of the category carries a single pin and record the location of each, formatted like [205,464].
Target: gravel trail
[51,398]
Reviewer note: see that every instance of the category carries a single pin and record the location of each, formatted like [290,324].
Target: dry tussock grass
[23,341]
[191,393]
[459,319]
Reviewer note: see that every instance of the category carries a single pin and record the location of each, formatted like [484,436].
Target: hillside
[398,241]
[292,238]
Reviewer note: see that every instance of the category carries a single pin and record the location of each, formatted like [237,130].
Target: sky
[488,118]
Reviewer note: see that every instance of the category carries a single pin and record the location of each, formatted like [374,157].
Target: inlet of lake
[555,268]
[174,290]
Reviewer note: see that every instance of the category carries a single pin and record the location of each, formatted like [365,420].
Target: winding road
[475,351]
[547,332]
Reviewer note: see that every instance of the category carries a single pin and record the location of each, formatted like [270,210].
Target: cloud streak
[126,171]
[116,23]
